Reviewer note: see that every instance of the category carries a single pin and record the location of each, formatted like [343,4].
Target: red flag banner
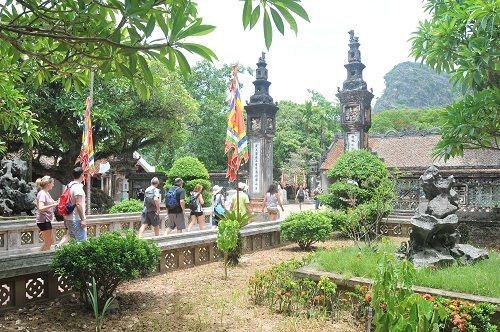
[304,182]
[87,153]
[295,180]
[283,180]
[236,146]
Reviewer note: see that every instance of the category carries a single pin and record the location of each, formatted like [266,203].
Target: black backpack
[193,201]
[149,200]
[171,201]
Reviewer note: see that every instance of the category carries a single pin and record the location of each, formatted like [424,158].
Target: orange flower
[344,300]
[368,296]
[287,294]
[278,293]
[303,294]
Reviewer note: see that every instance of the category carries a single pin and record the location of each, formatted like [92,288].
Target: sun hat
[242,186]
[178,181]
[216,189]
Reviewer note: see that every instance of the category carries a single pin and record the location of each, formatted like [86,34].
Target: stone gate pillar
[261,129]
[355,101]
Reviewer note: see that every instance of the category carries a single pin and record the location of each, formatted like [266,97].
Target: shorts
[196,213]
[176,220]
[44,226]
[150,218]
[76,231]
[272,210]
[300,199]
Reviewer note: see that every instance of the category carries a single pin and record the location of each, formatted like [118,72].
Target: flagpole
[89,178]
[237,193]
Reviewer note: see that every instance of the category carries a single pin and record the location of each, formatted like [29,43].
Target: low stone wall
[479,228]
[25,278]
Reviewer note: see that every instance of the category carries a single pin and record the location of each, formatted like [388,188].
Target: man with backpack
[76,221]
[151,210]
[174,201]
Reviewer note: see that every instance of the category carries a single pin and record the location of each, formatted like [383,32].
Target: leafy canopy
[463,38]
[42,41]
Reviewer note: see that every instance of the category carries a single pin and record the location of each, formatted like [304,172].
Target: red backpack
[65,207]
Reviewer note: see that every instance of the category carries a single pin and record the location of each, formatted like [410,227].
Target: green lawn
[481,278]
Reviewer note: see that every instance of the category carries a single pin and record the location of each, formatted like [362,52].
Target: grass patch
[481,278]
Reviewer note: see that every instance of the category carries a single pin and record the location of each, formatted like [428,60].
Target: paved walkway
[289,208]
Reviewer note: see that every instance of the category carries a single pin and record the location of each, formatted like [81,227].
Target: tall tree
[65,40]
[463,38]
[122,122]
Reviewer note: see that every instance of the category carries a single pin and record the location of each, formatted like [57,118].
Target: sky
[315,58]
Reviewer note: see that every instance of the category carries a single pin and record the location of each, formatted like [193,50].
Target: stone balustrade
[25,277]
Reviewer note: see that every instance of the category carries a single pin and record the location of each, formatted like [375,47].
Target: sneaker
[57,246]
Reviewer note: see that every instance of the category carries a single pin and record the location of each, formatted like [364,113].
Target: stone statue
[263,57]
[433,236]
[16,195]
[255,124]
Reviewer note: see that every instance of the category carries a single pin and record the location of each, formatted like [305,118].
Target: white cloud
[315,58]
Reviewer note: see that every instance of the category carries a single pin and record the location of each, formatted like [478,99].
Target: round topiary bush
[132,205]
[306,228]
[110,259]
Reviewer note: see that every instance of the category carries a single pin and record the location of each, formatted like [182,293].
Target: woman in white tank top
[271,201]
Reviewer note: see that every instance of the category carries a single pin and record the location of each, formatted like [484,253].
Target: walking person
[76,221]
[175,203]
[271,201]
[196,202]
[151,210]
[300,196]
[317,191]
[45,211]
[243,201]
[217,204]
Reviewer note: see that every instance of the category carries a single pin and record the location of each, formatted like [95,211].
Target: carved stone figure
[433,237]
[16,195]
[255,124]
[352,113]
[270,124]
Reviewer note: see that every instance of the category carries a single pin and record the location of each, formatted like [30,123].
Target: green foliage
[358,166]
[205,139]
[99,317]
[187,168]
[472,123]
[278,10]
[303,132]
[112,38]
[234,254]
[413,85]
[362,262]
[227,238]
[132,205]
[364,192]
[396,306]
[110,258]
[400,120]
[306,228]
[462,38]
[282,292]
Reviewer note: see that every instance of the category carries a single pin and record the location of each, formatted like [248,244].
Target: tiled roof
[416,152]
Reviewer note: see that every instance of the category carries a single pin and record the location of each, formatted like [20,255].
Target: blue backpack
[171,201]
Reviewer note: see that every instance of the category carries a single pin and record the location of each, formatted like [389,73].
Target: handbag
[219,208]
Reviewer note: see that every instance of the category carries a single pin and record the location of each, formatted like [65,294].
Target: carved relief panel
[351,114]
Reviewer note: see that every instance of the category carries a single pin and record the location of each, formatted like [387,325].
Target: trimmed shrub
[110,258]
[306,228]
[187,168]
[132,205]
